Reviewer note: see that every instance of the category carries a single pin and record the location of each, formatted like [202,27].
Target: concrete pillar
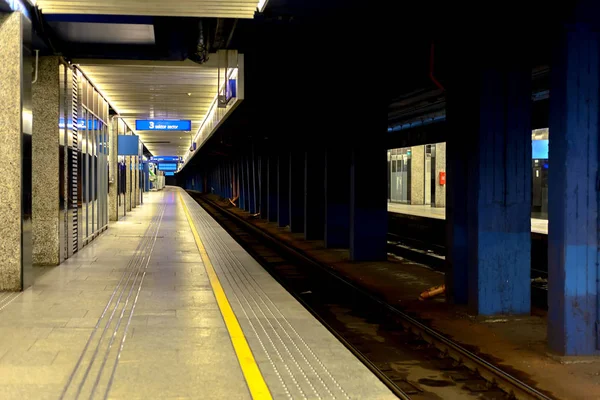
[46,163]
[243,186]
[283,189]
[314,195]
[297,161]
[135,187]
[264,186]
[337,194]
[128,177]
[573,272]
[16,252]
[489,176]
[368,202]
[440,166]
[272,187]
[251,202]
[417,175]
[254,182]
[113,167]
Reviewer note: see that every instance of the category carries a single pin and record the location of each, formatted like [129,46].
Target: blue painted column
[254,200]
[337,196]
[263,173]
[283,189]
[272,187]
[297,191]
[244,184]
[368,201]
[573,269]
[489,177]
[229,179]
[314,195]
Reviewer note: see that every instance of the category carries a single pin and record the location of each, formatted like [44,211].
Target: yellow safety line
[254,379]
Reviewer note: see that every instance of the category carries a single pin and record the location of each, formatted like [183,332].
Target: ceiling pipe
[200,55]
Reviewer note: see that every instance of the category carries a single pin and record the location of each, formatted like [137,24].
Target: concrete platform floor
[516,344]
[134,316]
[537,225]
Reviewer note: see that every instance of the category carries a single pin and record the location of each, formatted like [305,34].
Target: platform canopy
[179,8]
[157,90]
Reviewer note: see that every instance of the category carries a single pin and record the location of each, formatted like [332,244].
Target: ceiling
[105,33]
[157,90]
[179,8]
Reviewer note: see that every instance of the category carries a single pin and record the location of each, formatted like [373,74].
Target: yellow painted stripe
[254,379]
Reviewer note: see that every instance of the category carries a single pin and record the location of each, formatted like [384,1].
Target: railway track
[413,360]
[414,248]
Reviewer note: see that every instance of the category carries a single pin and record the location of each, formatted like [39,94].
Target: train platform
[515,344]
[537,225]
[167,305]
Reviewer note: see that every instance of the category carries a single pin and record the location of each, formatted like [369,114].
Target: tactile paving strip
[295,367]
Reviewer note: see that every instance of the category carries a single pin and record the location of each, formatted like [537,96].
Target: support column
[368,202]
[46,163]
[264,185]
[138,175]
[489,214]
[113,167]
[440,166]
[254,181]
[297,161]
[272,187]
[314,195]
[251,192]
[283,189]
[128,175]
[243,187]
[417,175]
[14,240]
[135,182]
[337,195]
[573,271]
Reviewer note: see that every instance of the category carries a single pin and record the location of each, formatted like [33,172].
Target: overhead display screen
[163,125]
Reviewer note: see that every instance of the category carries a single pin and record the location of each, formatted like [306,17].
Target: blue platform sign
[168,167]
[159,159]
[162,125]
[128,145]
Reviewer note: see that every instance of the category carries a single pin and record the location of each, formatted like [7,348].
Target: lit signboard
[163,125]
[128,145]
[231,89]
[167,167]
[81,125]
[539,149]
[172,159]
[169,173]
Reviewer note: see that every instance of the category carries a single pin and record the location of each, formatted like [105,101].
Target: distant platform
[537,225]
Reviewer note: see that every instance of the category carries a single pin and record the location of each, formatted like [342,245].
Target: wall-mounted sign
[162,125]
[169,173]
[128,145]
[81,124]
